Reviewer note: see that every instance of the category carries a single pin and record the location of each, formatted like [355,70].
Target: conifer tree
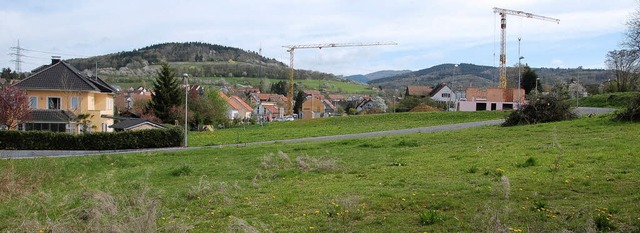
[166,94]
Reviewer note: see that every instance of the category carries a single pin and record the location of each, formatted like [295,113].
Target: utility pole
[19,55]
[292,48]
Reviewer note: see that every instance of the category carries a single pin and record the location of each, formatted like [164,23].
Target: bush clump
[546,108]
[632,112]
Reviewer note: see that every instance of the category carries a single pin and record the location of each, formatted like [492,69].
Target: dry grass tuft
[15,184]
[315,164]
[506,186]
[240,225]
[202,189]
[98,204]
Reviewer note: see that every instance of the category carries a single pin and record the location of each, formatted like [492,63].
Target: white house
[443,93]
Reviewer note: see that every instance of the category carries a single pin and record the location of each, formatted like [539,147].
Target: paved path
[431,129]
[48,153]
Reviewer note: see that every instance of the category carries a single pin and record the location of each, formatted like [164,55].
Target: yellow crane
[292,48]
[503,37]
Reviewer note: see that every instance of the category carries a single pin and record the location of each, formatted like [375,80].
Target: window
[53,103]
[446,95]
[55,127]
[109,104]
[33,102]
[75,102]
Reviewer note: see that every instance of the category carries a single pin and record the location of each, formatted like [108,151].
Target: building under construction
[501,97]
[490,99]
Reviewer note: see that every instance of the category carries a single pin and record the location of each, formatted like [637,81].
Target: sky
[427,32]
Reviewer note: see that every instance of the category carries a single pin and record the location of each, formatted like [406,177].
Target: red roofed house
[418,91]
[237,108]
[245,110]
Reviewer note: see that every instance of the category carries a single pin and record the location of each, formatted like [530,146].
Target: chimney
[55,59]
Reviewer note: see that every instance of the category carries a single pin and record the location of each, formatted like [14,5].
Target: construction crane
[503,37]
[292,48]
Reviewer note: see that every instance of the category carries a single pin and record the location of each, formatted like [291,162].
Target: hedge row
[46,140]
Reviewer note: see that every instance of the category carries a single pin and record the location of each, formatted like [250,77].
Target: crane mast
[503,37]
[292,48]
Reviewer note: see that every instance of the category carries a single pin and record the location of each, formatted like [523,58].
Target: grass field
[608,100]
[336,126]
[578,176]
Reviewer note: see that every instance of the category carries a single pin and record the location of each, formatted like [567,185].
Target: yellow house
[59,93]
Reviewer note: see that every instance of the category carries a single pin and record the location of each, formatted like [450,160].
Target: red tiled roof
[419,90]
[242,103]
[337,97]
[272,108]
[328,103]
[231,103]
[263,97]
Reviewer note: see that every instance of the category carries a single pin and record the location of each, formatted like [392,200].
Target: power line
[54,53]
[19,55]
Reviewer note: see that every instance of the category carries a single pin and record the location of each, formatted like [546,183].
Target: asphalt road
[44,153]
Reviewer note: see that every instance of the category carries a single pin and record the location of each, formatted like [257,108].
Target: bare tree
[624,63]
[14,106]
[632,36]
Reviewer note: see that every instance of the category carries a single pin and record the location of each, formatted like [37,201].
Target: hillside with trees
[464,75]
[196,58]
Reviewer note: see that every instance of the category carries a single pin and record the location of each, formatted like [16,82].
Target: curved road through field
[431,129]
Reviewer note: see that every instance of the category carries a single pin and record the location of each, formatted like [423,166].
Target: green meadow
[573,176]
[335,126]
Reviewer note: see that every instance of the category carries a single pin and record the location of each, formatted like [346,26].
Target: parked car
[288,118]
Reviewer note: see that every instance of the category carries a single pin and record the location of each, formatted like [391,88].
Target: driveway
[432,129]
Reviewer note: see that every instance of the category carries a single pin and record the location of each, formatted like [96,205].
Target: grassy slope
[584,168]
[336,126]
[609,100]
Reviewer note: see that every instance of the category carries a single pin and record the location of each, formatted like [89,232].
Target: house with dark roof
[443,93]
[135,124]
[59,92]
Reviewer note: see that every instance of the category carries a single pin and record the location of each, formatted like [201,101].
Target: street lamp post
[394,104]
[519,73]
[185,78]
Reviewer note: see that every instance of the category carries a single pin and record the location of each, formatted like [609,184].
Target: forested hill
[196,58]
[172,52]
[464,75]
